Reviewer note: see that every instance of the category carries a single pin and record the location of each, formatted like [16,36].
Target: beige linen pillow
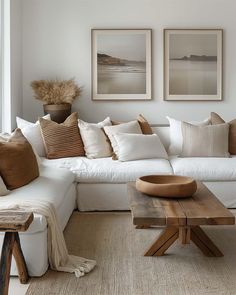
[18,164]
[205,141]
[176,137]
[96,143]
[143,123]
[3,189]
[130,127]
[62,140]
[216,119]
[139,146]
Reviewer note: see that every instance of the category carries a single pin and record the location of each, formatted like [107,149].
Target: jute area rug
[112,240]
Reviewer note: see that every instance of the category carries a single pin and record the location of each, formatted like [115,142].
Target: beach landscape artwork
[193,64]
[121,64]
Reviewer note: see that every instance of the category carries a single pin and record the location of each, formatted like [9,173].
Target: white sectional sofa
[100,184]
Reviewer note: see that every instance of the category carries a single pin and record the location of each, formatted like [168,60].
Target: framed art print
[121,64]
[193,64]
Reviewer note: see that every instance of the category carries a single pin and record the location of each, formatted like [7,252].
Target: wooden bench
[12,222]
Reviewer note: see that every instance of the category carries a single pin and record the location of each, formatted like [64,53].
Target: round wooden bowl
[168,186]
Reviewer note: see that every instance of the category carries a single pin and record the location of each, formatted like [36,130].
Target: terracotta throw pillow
[216,119]
[18,163]
[143,123]
[62,140]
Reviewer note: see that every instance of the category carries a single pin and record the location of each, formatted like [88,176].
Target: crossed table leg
[184,234]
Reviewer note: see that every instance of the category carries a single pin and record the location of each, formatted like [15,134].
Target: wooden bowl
[168,186]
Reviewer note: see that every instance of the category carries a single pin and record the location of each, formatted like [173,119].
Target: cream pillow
[139,146]
[130,127]
[205,141]
[96,143]
[176,137]
[32,133]
[3,189]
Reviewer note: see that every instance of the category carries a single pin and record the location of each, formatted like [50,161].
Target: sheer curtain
[5,73]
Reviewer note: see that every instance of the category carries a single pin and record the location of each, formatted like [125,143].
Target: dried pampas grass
[56,91]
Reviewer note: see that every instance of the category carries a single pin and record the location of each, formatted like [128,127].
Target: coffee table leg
[204,243]
[20,261]
[5,265]
[164,241]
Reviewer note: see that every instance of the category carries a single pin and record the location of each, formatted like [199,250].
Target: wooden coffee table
[182,218]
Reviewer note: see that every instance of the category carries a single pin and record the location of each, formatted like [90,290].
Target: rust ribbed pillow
[62,140]
[143,123]
[18,163]
[216,119]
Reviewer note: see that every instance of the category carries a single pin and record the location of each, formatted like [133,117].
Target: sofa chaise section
[56,186]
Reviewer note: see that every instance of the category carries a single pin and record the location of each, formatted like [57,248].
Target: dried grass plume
[56,91]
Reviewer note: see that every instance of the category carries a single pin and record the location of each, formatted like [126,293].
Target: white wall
[56,43]
[16,61]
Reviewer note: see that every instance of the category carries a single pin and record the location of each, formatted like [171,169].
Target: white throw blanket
[59,259]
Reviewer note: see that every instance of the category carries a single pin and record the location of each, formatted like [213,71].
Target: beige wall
[56,43]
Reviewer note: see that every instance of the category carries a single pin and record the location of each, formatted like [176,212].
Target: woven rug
[112,240]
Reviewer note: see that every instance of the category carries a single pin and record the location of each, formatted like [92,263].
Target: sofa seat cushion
[52,185]
[205,169]
[107,170]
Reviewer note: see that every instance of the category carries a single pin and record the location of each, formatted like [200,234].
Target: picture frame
[193,64]
[121,64]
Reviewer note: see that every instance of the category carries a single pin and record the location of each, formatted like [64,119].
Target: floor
[16,288]
[122,269]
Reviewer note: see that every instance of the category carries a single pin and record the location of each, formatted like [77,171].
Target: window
[5,74]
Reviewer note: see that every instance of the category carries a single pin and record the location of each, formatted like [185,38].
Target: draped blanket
[59,259]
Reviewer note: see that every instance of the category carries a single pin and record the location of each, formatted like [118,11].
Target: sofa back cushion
[62,140]
[18,163]
[216,119]
[205,141]
[32,133]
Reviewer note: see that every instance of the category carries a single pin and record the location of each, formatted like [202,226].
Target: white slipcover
[205,169]
[107,170]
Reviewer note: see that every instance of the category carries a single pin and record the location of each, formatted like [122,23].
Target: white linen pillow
[132,127]
[96,143]
[32,132]
[139,146]
[3,189]
[176,137]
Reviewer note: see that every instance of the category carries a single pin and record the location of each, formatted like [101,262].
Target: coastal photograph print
[193,64]
[121,64]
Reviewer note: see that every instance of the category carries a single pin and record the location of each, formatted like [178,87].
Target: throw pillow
[62,140]
[3,189]
[139,146]
[143,123]
[96,143]
[176,137]
[18,164]
[33,134]
[205,141]
[130,127]
[216,119]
